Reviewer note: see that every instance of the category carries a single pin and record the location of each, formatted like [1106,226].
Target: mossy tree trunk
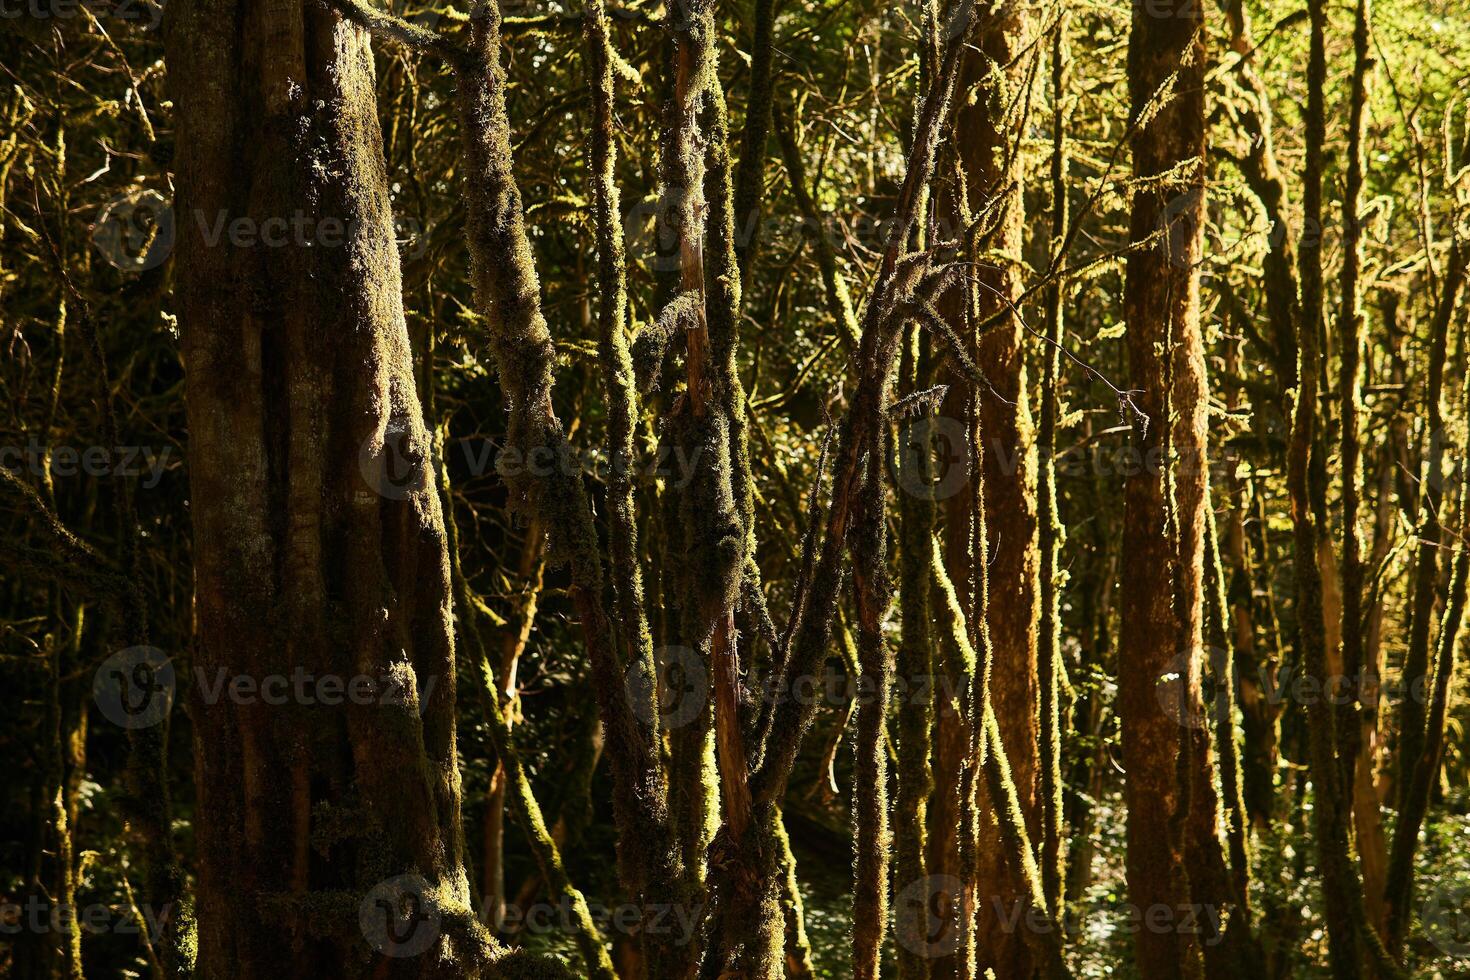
[993,94]
[329,824]
[1352,939]
[1174,856]
[915,670]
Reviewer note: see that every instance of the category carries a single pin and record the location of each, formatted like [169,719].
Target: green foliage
[86,143]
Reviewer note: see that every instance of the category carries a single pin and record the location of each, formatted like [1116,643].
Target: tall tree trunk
[1174,856]
[1351,336]
[1351,939]
[51,860]
[1430,689]
[871,840]
[1428,531]
[1051,531]
[750,173]
[992,98]
[1268,183]
[513,640]
[748,877]
[1330,819]
[1368,785]
[914,730]
[330,837]
[508,293]
[1255,667]
[1088,718]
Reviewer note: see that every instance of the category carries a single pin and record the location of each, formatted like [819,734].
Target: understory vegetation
[778,488]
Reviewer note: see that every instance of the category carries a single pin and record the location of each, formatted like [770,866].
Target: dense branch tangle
[1011,581]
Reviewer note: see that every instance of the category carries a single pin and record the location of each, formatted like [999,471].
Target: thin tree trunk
[1426,576]
[916,516]
[1268,183]
[496,686]
[1351,334]
[798,947]
[1255,670]
[508,292]
[1367,782]
[1425,771]
[1330,818]
[1051,532]
[1351,938]
[512,644]
[871,840]
[748,945]
[1088,717]
[1043,937]
[147,799]
[750,174]
[1419,772]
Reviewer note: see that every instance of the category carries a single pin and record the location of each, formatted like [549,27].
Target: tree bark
[1051,531]
[329,834]
[1174,856]
[991,102]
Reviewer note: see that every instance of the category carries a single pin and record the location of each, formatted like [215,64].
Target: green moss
[524,965]
[798,945]
[915,669]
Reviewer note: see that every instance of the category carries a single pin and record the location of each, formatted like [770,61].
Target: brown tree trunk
[1255,668]
[513,641]
[329,832]
[1174,856]
[987,116]
[1351,939]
